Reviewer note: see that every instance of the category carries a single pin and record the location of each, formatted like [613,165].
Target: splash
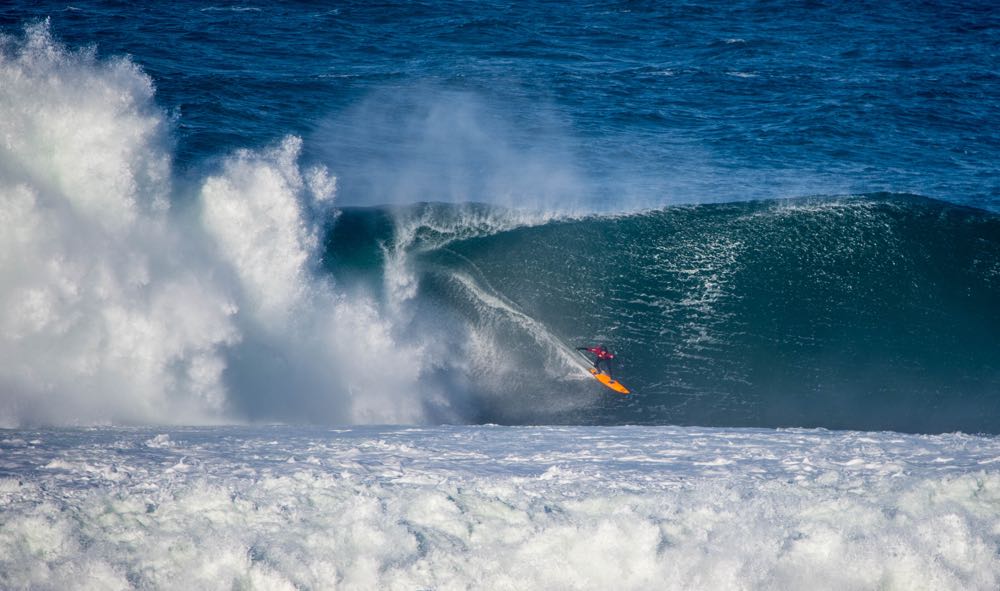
[116,305]
[311,352]
[101,319]
[431,144]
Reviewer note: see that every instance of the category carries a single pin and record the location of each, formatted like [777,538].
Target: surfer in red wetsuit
[602,357]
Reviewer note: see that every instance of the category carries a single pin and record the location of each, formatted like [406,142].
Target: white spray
[116,308]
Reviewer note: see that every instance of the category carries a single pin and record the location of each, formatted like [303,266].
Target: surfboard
[607,381]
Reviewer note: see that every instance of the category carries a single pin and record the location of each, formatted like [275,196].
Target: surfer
[602,357]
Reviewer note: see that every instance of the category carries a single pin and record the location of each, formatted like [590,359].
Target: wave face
[865,312]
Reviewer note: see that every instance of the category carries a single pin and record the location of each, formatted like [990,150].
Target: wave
[249,295]
[863,312]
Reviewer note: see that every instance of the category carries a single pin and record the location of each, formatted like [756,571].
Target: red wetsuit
[604,357]
[601,352]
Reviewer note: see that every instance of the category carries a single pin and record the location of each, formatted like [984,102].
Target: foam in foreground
[497,507]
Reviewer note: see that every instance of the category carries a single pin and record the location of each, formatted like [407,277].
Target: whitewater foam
[100,321]
[116,306]
[260,213]
[564,508]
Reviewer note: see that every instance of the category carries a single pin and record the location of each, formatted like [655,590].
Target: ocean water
[237,240]
[626,102]
[780,215]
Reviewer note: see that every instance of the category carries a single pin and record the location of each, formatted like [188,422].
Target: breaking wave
[249,295]
[862,312]
[120,302]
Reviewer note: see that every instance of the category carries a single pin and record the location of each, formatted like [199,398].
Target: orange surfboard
[607,381]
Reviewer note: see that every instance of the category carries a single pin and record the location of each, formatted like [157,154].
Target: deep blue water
[778,213]
[643,102]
